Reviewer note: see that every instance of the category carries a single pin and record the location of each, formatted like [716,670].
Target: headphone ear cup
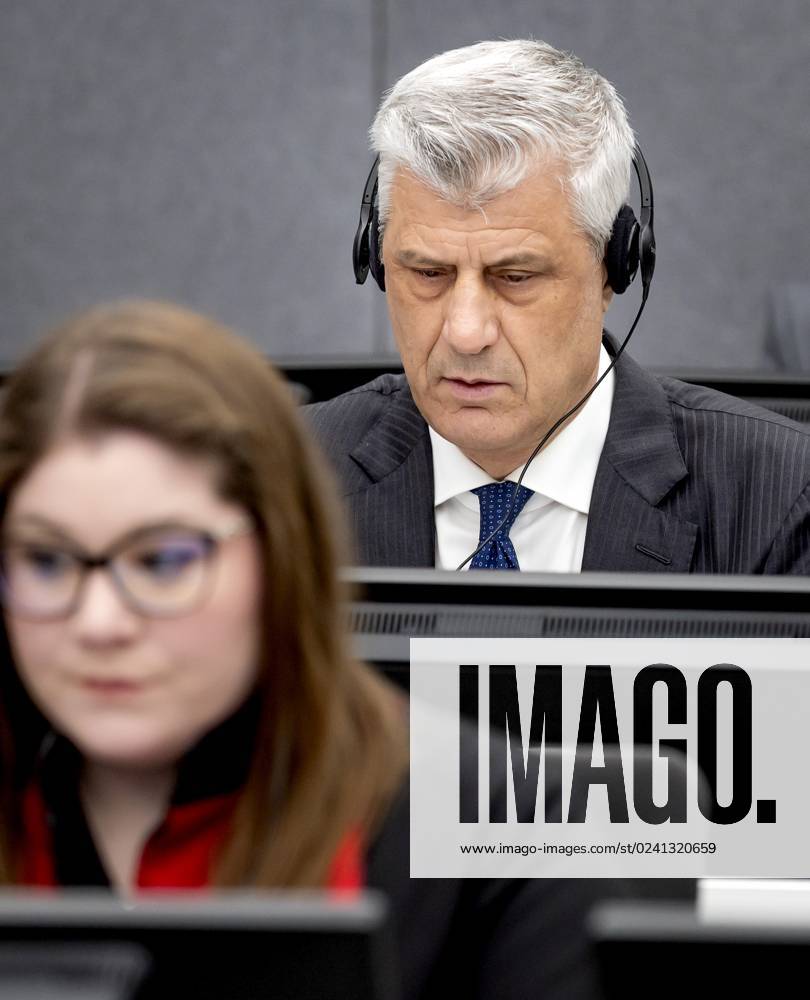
[360,254]
[622,251]
[375,264]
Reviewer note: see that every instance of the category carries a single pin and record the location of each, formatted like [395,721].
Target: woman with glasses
[177,707]
[183,710]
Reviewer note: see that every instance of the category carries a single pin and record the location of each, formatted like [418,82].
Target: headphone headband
[646,218]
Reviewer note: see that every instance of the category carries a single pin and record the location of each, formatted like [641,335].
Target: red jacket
[182,851]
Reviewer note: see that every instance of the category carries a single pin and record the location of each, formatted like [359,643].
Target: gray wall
[214,153]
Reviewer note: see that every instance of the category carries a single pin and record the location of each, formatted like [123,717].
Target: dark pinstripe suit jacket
[690,480]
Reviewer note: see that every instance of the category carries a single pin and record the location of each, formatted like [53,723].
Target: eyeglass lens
[160,573]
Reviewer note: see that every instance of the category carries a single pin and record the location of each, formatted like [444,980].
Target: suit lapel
[394,513]
[640,464]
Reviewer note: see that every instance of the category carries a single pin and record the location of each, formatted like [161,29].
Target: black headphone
[631,245]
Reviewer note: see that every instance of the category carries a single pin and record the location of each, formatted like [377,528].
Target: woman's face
[127,688]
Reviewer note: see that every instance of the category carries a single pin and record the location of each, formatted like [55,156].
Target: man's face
[497,313]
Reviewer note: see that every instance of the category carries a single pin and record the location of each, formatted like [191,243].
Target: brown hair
[330,750]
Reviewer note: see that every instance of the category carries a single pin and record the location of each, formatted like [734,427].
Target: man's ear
[607,291]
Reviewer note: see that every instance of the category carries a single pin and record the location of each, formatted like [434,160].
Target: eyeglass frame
[212,538]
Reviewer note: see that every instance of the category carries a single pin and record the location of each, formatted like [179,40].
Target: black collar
[217,765]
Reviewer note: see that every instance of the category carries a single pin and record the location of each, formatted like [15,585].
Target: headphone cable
[553,428]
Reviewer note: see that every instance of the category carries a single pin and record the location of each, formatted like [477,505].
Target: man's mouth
[472,388]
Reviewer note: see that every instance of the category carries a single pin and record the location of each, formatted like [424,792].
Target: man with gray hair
[498,230]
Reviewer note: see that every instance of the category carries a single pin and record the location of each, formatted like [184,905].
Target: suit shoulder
[347,418]
[743,427]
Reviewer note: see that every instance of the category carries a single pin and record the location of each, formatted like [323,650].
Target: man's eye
[516,277]
[429,274]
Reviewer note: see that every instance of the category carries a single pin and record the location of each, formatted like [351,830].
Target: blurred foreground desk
[672,951]
[216,945]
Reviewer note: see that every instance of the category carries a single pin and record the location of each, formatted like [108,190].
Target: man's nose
[102,616]
[470,323]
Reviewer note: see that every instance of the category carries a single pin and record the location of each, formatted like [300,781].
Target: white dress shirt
[549,533]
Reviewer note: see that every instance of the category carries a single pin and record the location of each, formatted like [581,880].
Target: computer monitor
[391,606]
[669,951]
[243,946]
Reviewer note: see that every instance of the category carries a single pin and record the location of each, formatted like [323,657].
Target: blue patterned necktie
[494,502]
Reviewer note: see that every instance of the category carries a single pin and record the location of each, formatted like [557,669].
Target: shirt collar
[565,469]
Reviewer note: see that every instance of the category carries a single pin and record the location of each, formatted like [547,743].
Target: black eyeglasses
[159,572]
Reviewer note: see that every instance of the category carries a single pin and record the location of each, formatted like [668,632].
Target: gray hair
[472,123]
